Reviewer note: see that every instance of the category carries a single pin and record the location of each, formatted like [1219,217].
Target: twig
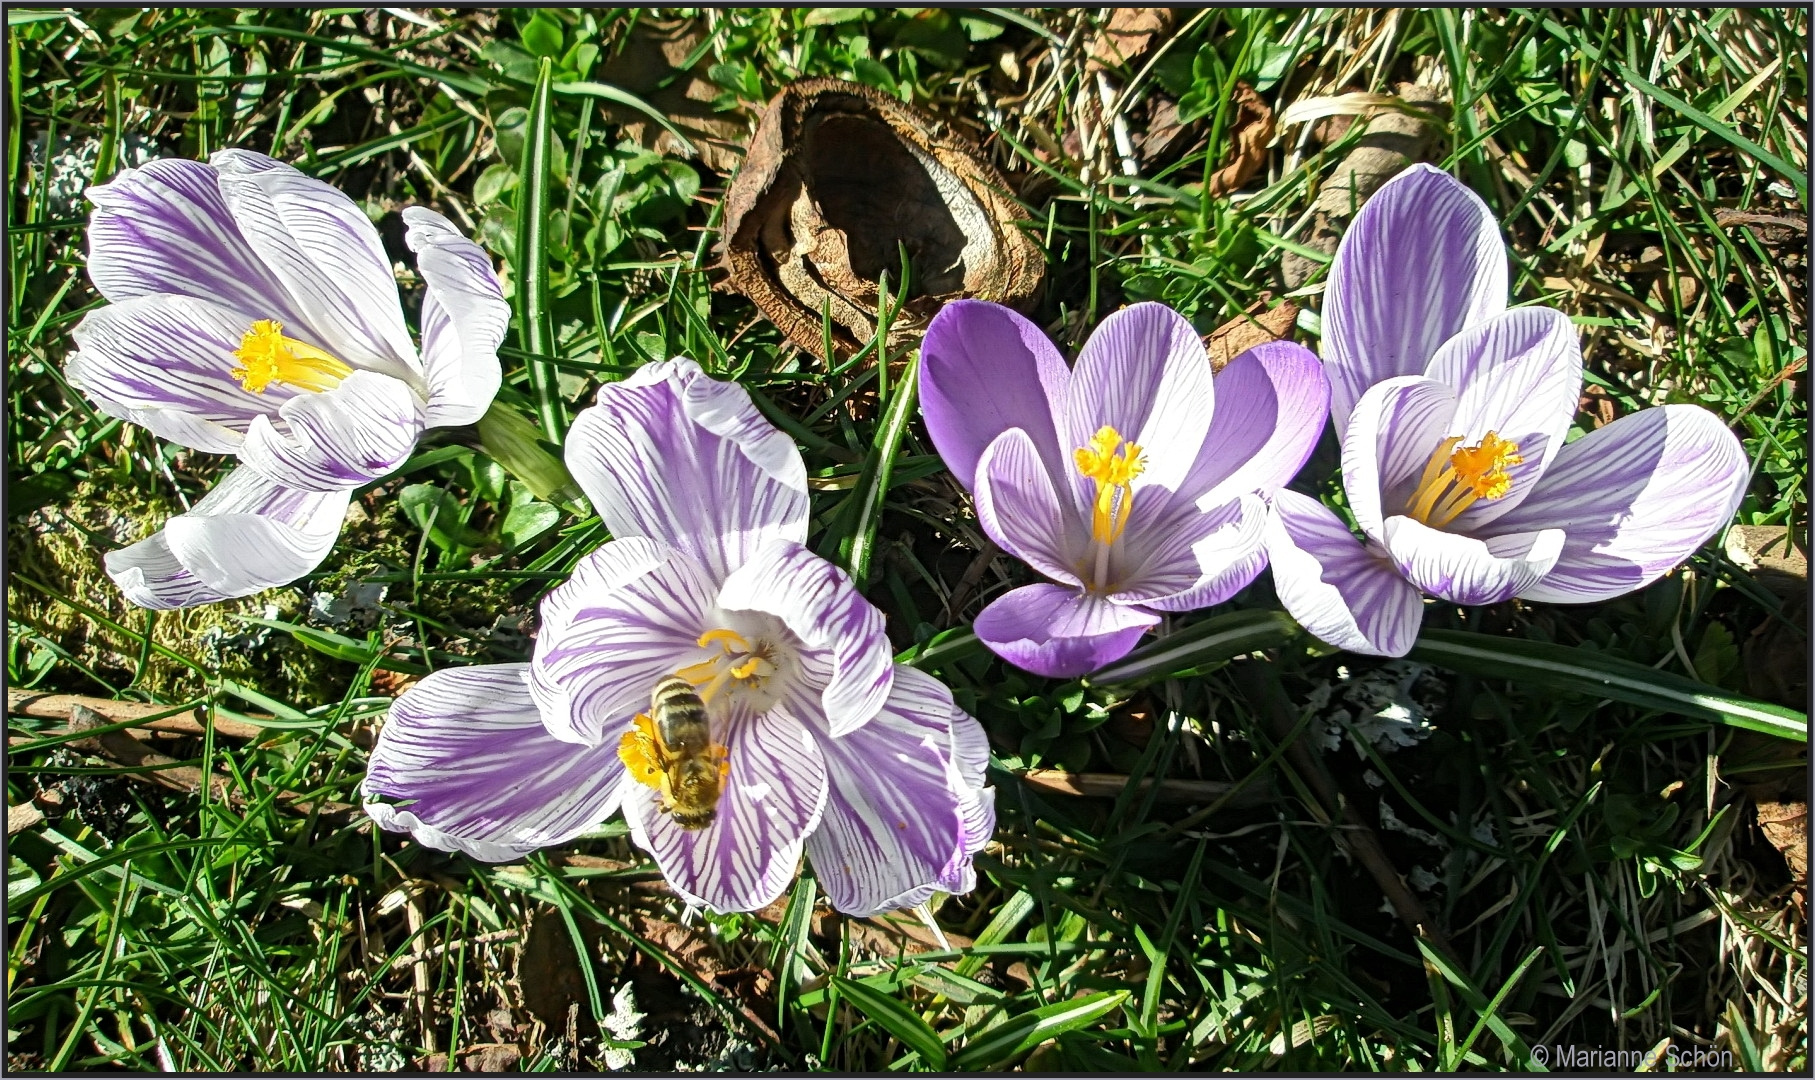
[1111,785]
[196,722]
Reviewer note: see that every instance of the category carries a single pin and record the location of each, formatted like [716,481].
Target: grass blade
[894,1017]
[1022,1033]
[1200,645]
[864,505]
[535,323]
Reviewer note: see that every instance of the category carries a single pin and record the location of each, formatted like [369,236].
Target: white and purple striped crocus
[1452,412]
[833,748]
[1136,482]
[252,311]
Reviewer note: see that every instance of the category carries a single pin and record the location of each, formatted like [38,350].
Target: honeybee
[671,749]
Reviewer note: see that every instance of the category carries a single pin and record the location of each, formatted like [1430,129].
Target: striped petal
[247,535]
[165,362]
[1341,592]
[629,616]
[1465,570]
[984,369]
[1060,632]
[671,454]
[1391,434]
[841,632]
[1189,554]
[1635,497]
[774,793]
[1422,260]
[165,229]
[904,813]
[472,769]
[1018,508]
[464,318]
[340,438]
[1273,403]
[328,255]
[1518,375]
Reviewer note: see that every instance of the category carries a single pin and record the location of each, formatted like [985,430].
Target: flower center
[1456,477]
[267,356]
[743,664]
[1113,463]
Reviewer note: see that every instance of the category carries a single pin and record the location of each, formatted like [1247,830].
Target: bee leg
[642,754]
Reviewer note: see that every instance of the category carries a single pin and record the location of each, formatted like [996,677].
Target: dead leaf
[839,179]
[648,65]
[1251,126]
[1256,326]
[1125,36]
[491,1058]
[1769,552]
[1786,826]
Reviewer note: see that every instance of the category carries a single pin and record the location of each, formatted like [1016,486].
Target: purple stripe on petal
[817,601]
[985,369]
[1338,590]
[901,816]
[247,535]
[630,616]
[1145,373]
[340,438]
[328,255]
[1019,509]
[1635,497]
[464,319]
[1395,428]
[671,454]
[1187,550]
[466,752]
[1272,403]
[1464,570]
[164,228]
[1422,260]
[1060,632]
[774,795]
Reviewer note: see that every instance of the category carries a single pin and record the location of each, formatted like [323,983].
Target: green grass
[1593,864]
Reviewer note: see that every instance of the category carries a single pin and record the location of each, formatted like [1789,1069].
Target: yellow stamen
[739,662]
[268,356]
[1455,478]
[1114,474]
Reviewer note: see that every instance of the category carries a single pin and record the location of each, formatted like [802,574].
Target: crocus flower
[1136,482]
[825,744]
[1452,413]
[252,311]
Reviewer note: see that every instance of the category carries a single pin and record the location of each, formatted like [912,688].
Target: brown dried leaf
[1125,36]
[647,65]
[839,177]
[1786,826]
[1252,127]
[1255,326]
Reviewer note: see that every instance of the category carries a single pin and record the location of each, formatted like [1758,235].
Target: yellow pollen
[1114,474]
[267,356]
[1455,478]
[739,661]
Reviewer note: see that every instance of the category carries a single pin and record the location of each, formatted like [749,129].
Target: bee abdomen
[679,714]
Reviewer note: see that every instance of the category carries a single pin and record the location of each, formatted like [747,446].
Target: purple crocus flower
[825,744]
[1136,482]
[1452,412]
[252,311]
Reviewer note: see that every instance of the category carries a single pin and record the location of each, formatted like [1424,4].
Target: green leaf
[526,521]
[543,35]
[864,505]
[834,16]
[438,513]
[535,323]
[510,439]
[1603,676]
[1014,1037]
[607,92]
[1201,645]
[893,1017]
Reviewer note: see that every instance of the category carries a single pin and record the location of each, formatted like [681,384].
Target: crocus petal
[464,318]
[1060,632]
[1465,570]
[1635,497]
[340,438]
[466,750]
[895,826]
[818,602]
[1334,587]
[1392,432]
[983,370]
[328,255]
[672,454]
[165,228]
[1190,551]
[774,794]
[165,363]
[1518,375]
[1272,402]
[1020,510]
[1422,260]
[1145,373]
[629,616]
[245,536]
